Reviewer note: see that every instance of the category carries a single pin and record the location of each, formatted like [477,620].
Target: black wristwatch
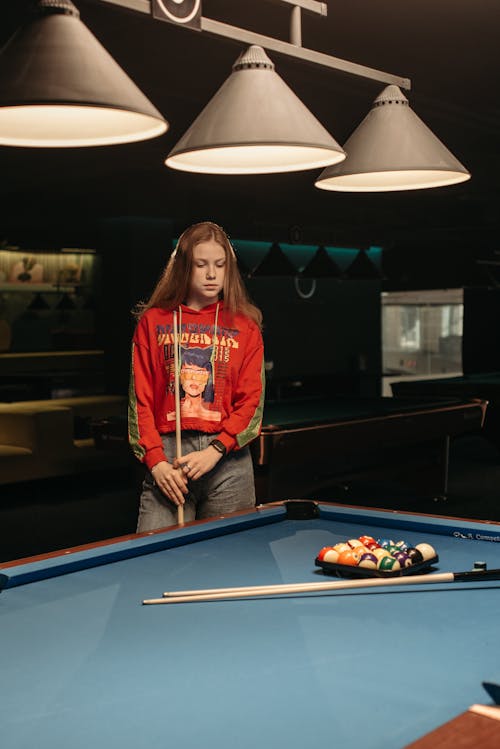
[218,446]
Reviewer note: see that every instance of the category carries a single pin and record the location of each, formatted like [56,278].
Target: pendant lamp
[59,87]
[254,124]
[392,149]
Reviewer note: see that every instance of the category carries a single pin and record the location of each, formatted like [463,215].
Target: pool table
[481,385]
[308,444]
[85,664]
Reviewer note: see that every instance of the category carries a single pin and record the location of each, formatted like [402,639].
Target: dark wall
[481,332]
[134,252]
[331,339]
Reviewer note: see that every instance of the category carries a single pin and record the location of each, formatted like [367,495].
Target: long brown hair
[173,286]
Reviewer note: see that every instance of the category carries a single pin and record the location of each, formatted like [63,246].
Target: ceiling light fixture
[254,124]
[60,88]
[392,149]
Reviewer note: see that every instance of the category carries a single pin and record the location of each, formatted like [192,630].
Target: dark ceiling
[448,48]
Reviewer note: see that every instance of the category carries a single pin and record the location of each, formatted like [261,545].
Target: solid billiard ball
[427,551]
[415,555]
[369,561]
[350,558]
[388,564]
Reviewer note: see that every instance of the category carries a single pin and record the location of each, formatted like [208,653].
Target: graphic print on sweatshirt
[205,358]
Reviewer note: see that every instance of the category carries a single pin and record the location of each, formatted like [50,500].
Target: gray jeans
[227,488]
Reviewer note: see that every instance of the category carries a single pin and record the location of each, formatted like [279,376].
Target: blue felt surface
[84,664]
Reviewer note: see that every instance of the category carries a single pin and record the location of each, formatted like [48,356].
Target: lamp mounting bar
[313,5]
[235,33]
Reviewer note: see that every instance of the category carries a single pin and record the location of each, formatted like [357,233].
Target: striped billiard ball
[380,553]
[369,561]
[403,559]
[328,554]
[385,542]
[342,547]
[354,542]
[365,540]
[388,564]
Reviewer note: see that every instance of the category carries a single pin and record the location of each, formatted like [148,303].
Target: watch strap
[219,446]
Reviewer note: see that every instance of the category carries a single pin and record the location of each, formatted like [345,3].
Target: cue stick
[178,447]
[377,582]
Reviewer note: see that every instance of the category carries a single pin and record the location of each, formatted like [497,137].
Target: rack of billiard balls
[382,557]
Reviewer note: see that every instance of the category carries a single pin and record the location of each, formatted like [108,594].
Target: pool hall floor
[42,516]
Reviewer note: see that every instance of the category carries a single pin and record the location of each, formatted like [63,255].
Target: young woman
[220,355]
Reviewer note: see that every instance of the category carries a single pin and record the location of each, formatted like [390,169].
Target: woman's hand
[171,480]
[194,465]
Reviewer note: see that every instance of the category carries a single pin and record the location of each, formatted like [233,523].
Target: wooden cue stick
[377,582]
[210,591]
[178,446]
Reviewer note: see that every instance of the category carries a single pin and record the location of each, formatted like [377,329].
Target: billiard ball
[322,552]
[427,551]
[369,561]
[380,552]
[385,542]
[402,545]
[331,556]
[328,554]
[388,564]
[365,540]
[350,558]
[392,549]
[415,555]
[354,542]
[403,558]
[373,545]
[342,547]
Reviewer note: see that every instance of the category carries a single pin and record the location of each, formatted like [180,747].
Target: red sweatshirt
[221,378]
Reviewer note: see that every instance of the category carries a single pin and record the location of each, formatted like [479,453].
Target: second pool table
[483,386]
[309,444]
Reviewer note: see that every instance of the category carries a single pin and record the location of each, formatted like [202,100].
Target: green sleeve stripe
[252,431]
[133,421]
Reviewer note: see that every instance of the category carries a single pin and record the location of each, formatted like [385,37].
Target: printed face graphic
[193,379]
[207,274]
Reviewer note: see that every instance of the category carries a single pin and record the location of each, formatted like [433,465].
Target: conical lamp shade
[275,263]
[254,125]
[362,268]
[59,87]
[392,149]
[321,265]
